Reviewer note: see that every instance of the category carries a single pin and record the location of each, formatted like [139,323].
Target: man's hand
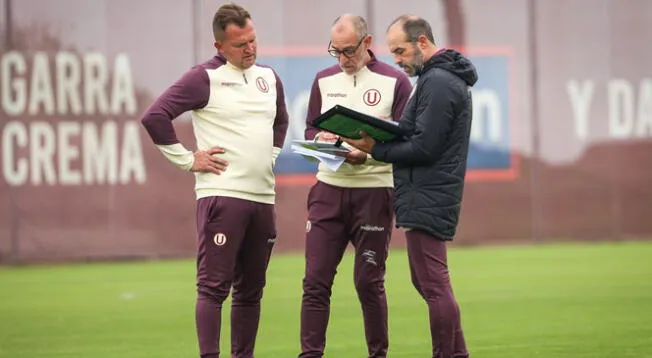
[365,144]
[327,137]
[355,157]
[207,162]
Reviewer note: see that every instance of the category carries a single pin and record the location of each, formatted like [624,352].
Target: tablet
[348,123]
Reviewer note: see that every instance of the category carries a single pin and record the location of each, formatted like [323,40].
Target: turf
[563,300]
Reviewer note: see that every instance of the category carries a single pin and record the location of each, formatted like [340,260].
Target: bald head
[350,42]
[350,22]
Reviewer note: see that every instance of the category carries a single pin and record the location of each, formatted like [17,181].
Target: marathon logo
[336,95]
[371,228]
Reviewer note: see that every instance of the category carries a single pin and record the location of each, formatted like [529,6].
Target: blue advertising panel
[490,149]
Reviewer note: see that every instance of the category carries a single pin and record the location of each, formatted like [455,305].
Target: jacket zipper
[245,78]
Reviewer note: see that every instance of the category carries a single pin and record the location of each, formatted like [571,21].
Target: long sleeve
[402,92]
[314,110]
[281,121]
[188,93]
[434,115]
[401,96]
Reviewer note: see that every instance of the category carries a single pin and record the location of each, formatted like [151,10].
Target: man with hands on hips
[237,108]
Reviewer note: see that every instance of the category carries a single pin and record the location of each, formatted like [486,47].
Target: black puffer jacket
[430,164]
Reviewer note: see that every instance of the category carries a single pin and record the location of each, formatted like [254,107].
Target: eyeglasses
[347,52]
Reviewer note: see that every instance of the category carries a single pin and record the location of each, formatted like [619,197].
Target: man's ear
[218,46]
[368,41]
[423,42]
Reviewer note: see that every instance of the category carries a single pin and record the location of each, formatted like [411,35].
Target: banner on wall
[490,152]
[71,119]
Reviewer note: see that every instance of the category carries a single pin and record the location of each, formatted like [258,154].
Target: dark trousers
[337,216]
[235,241]
[429,270]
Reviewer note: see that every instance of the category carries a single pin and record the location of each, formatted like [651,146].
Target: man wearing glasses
[354,203]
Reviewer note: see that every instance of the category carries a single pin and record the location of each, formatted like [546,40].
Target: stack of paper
[321,146]
[320,151]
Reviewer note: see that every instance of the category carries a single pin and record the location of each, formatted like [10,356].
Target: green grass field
[563,300]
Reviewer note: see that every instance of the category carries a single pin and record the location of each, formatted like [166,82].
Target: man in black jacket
[429,168]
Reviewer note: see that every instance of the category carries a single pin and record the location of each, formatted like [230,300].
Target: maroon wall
[580,120]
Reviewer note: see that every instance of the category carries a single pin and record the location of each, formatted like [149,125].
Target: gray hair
[358,22]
